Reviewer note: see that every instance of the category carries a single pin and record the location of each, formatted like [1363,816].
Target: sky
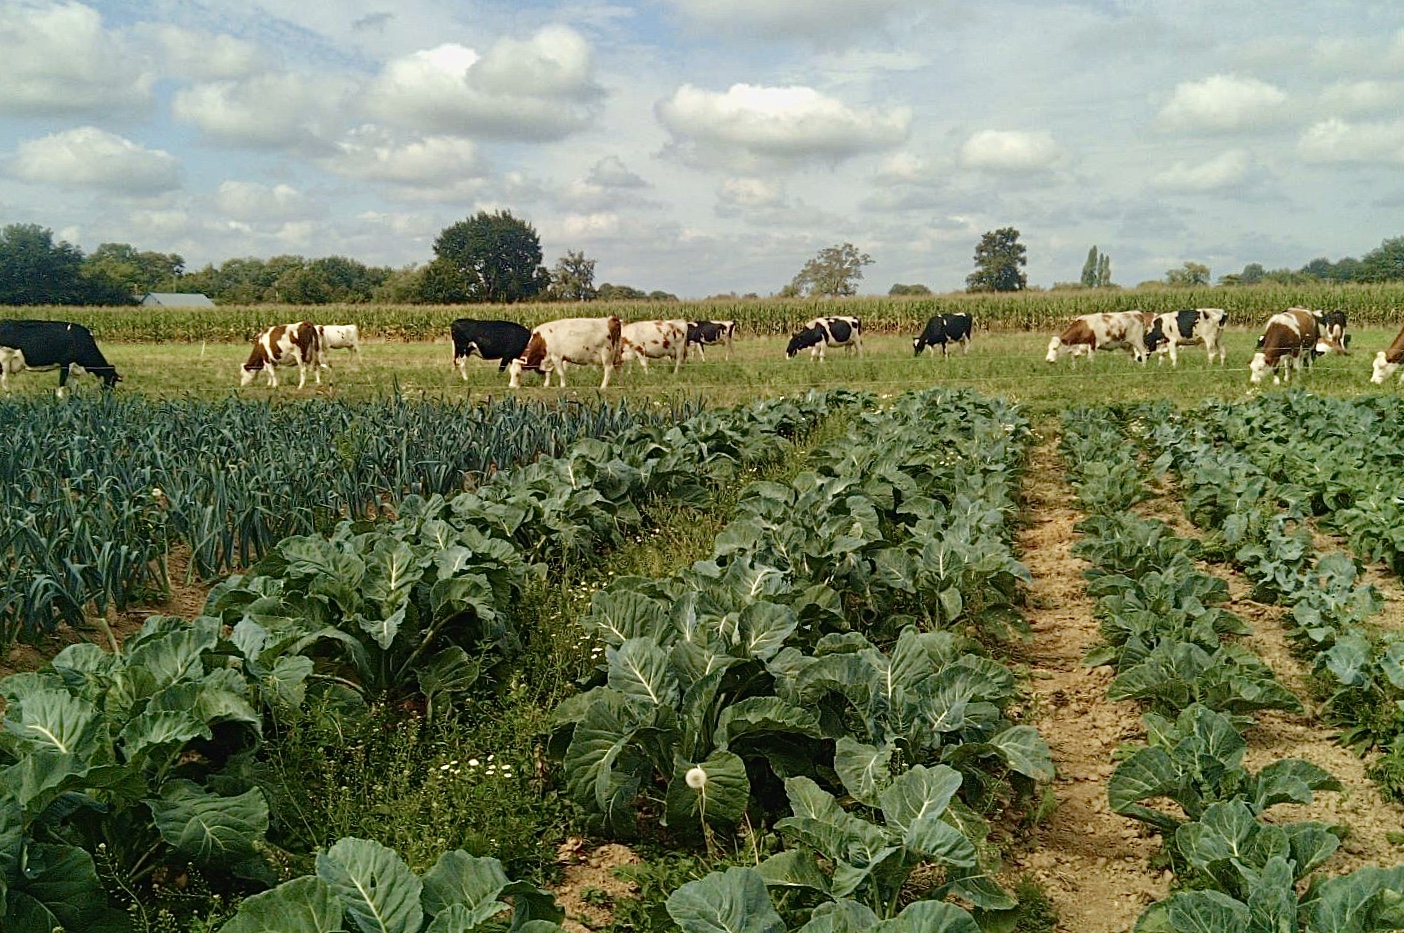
[704,147]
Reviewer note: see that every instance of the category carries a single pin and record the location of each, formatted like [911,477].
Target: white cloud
[823,20]
[252,201]
[58,59]
[202,56]
[1010,152]
[434,166]
[906,168]
[537,90]
[1223,104]
[265,111]
[781,123]
[611,172]
[1223,171]
[1336,140]
[94,158]
[1361,97]
[751,193]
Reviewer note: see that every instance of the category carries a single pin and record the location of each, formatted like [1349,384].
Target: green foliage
[34,270]
[1189,275]
[573,278]
[900,289]
[136,754]
[363,884]
[999,258]
[487,258]
[835,271]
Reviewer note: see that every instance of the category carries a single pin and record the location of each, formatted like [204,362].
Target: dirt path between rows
[1094,865]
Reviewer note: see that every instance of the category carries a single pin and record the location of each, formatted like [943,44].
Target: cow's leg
[701,354]
[608,365]
[63,379]
[643,361]
[1174,354]
[858,342]
[728,348]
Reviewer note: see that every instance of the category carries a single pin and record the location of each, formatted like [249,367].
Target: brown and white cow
[1285,338]
[584,341]
[1387,361]
[1108,330]
[654,340]
[1174,329]
[285,345]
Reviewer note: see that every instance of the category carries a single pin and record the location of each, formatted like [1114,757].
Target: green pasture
[1006,364]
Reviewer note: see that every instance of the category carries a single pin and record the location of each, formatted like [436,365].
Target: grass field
[1008,364]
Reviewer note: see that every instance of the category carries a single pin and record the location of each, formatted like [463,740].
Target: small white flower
[156,492]
[472,762]
[696,778]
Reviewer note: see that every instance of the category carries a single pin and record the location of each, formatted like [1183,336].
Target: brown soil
[185,600]
[590,885]
[1093,864]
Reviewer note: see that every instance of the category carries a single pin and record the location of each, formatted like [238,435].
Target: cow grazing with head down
[555,345]
[944,330]
[837,331]
[701,333]
[339,337]
[297,344]
[492,340]
[1286,338]
[43,345]
[1174,329]
[1108,330]
[646,340]
[1331,326]
[1387,361]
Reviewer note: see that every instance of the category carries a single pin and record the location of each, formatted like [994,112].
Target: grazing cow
[339,337]
[1108,330]
[492,340]
[1387,361]
[944,329]
[43,345]
[1174,329]
[645,340]
[285,345]
[839,331]
[705,332]
[553,346]
[1286,336]
[1331,326]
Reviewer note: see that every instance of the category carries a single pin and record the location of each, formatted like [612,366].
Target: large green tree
[573,279]
[999,259]
[133,270]
[487,258]
[1190,275]
[836,270]
[1384,263]
[35,270]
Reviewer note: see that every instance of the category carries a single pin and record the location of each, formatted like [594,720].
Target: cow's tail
[616,330]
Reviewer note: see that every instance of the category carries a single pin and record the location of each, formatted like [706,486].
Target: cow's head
[1258,368]
[802,340]
[1383,367]
[918,345]
[1155,336]
[1053,346]
[108,376]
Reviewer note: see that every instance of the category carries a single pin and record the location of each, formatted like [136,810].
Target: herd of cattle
[1291,339]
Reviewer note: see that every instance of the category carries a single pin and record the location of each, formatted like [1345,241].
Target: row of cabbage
[149,755]
[818,681]
[95,493]
[1256,474]
[1164,627]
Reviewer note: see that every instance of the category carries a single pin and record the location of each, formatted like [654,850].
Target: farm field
[666,657]
[1009,364]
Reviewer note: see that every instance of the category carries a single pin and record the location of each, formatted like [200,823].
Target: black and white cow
[492,340]
[701,333]
[944,329]
[1174,329]
[838,331]
[43,345]
[1331,326]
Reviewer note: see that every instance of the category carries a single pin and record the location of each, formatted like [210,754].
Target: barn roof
[177,300]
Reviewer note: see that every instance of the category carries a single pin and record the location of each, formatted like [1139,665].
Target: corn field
[1375,304]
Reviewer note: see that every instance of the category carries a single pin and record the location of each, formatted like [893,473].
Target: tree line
[497,258]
